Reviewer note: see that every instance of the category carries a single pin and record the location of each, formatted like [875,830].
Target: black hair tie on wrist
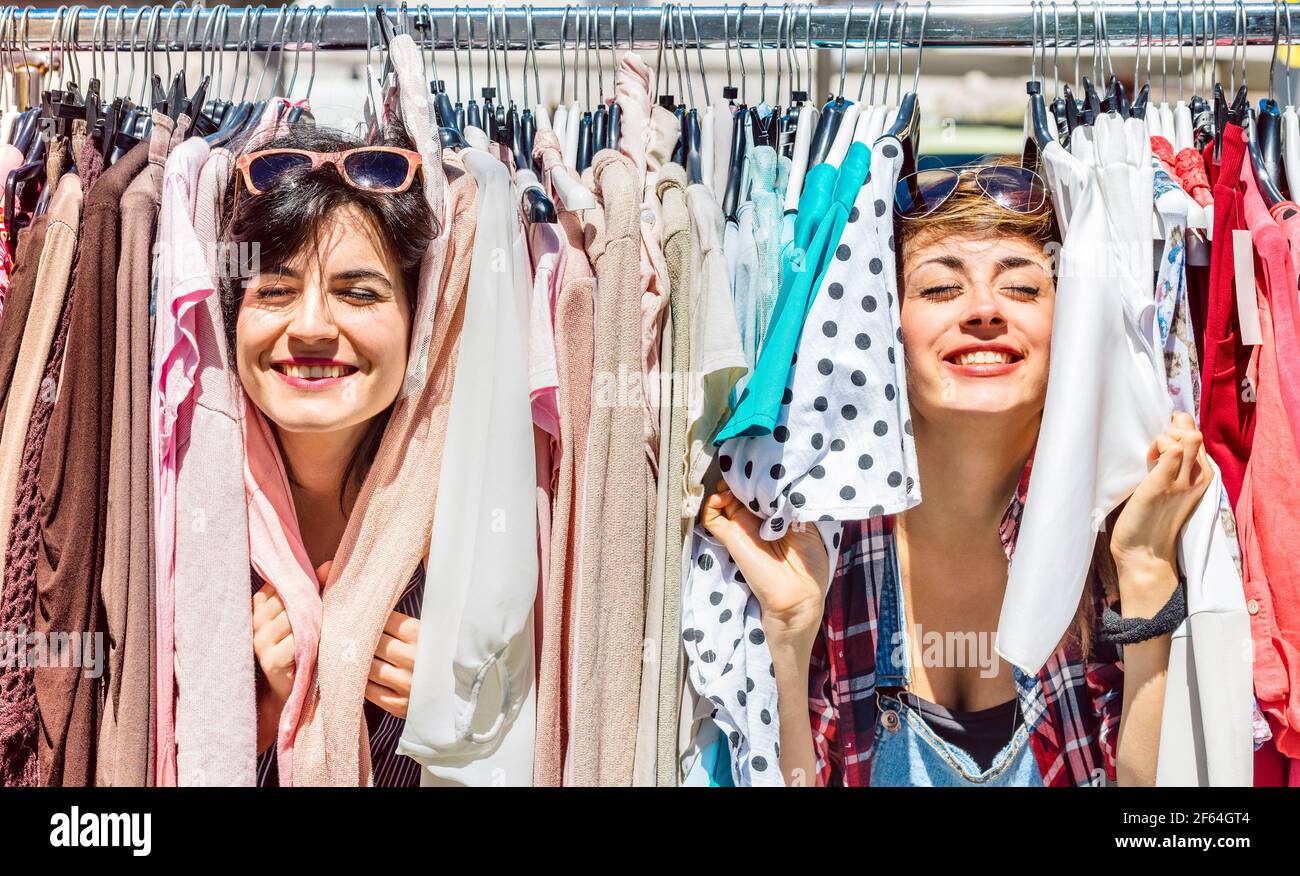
[1117,630]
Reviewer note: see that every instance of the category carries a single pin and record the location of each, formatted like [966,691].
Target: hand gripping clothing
[841,449]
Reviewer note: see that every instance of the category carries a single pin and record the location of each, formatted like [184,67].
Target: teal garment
[824,208]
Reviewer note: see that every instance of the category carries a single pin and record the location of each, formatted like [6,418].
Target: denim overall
[906,751]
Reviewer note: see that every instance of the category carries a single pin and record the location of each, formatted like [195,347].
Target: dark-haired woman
[319,336]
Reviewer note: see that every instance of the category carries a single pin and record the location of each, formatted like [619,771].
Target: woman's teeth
[983,357]
[313,372]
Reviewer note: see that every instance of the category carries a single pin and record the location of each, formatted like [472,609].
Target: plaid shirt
[1071,706]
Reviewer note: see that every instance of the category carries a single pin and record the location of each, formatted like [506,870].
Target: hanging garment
[1190,169]
[823,211]
[1266,513]
[717,359]
[73,482]
[662,677]
[1173,318]
[22,284]
[389,527]
[574,339]
[1227,399]
[632,95]
[1081,475]
[605,660]
[216,701]
[838,395]
[49,286]
[720,144]
[28,413]
[472,704]
[127,732]
[1286,316]
[673,222]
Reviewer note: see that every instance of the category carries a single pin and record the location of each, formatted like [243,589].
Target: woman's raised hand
[788,576]
[1145,534]
[273,642]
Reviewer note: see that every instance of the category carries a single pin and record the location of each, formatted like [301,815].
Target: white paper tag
[1243,261]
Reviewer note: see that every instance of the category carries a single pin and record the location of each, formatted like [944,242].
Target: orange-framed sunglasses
[384,169]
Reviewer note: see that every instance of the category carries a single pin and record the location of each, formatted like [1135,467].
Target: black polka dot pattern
[837,447]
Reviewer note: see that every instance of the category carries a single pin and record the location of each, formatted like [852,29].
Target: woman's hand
[788,576]
[393,666]
[1144,539]
[273,642]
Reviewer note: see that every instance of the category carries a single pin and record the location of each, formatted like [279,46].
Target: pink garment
[1268,508]
[183,283]
[276,551]
[543,386]
[10,159]
[543,382]
[632,93]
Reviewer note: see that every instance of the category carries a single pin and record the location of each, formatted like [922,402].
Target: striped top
[390,769]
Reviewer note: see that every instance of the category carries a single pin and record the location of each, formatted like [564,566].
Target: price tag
[1243,261]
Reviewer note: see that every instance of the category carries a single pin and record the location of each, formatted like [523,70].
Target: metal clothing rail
[752,25]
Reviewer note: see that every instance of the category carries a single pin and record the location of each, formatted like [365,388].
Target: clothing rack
[994,25]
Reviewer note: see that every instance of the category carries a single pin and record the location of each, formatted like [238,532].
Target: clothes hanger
[1268,121]
[616,111]
[799,152]
[1290,125]
[1040,133]
[572,128]
[833,111]
[491,123]
[527,118]
[690,134]
[302,114]
[871,116]
[758,114]
[789,123]
[906,128]
[678,108]
[739,126]
[584,132]
[600,115]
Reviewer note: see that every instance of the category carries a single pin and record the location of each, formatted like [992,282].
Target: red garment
[1189,165]
[1268,512]
[1162,150]
[1227,399]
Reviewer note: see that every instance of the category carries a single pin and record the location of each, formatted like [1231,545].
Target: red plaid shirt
[1071,706]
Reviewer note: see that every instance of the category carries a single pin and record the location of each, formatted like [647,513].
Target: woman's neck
[317,462]
[969,473]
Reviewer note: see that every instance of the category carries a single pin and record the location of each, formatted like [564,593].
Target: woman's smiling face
[322,340]
[977,324]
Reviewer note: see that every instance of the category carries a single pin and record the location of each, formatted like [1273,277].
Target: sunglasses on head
[1017,189]
[384,169]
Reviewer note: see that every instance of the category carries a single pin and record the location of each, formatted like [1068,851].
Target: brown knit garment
[21,554]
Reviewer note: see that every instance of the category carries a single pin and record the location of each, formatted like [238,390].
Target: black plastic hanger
[832,112]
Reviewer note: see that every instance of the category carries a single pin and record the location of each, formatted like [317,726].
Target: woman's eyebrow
[948,261]
[1012,262]
[362,274]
